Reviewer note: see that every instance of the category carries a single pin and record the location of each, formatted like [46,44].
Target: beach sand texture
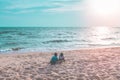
[83,64]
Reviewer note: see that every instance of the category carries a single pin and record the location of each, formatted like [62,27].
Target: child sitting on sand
[54,59]
[61,57]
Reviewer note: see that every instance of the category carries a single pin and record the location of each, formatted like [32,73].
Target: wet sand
[83,64]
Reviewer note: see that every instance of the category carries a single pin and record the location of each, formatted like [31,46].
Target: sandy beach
[83,64]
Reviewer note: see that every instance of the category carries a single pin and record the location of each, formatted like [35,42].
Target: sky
[59,13]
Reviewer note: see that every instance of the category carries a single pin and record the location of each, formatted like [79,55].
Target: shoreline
[25,51]
[82,64]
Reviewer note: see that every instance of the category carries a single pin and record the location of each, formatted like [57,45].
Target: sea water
[57,38]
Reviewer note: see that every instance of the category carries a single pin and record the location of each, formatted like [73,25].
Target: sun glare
[104,7]
[102,30]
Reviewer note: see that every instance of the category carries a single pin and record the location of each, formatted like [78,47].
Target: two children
[55,59]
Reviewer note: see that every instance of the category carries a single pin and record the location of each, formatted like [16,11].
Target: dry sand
[84,64]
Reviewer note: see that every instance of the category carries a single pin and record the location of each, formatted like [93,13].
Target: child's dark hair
[61,54]
[55,54]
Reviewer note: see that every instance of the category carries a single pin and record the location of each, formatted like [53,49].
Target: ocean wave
[10,43]
[84,40]
[33,36]
[14,43]
[117,32]
[71,33]
[118,44]
[111,38]
[7,37]
[5,32]
[11,49]
[24,33]
[56,41]
[5,50]
[96,45]
[21,34]
[16,49]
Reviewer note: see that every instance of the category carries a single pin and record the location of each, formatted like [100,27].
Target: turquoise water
[51,38]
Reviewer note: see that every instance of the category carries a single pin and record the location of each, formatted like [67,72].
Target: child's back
[54,59]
